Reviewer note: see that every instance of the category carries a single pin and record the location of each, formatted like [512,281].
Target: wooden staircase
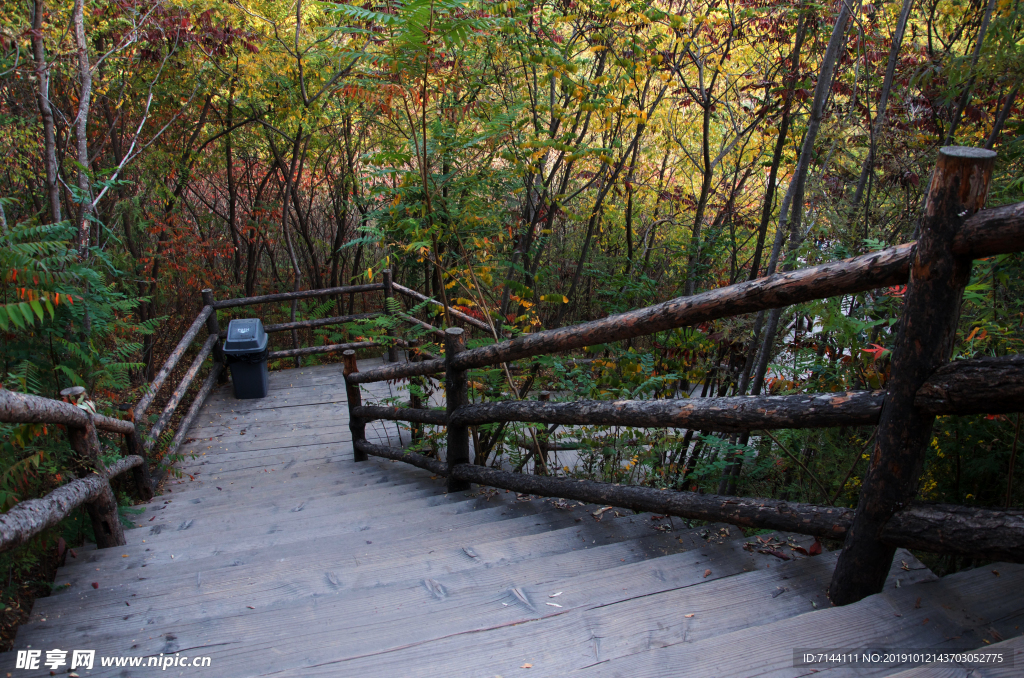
[282,557]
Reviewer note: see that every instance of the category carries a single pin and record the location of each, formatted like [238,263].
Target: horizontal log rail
[987,233]
[977,386]
[958,530]
[371,412]
[291,296]
[468,319]
[171,363]
[30,517]
[22,408]
[398,454]
[307,324]
[739,413]
[179,392]
[397,371]
[998,230]
[193,410]
[314,350]
[937,528]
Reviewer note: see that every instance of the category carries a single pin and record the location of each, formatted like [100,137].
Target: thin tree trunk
[82,127]
[1004,113]
[883,103]
[46,113]
[965,97]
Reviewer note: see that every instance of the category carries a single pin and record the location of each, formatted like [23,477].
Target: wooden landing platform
[277,555]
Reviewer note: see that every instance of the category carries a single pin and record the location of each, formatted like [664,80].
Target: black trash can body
[245,350]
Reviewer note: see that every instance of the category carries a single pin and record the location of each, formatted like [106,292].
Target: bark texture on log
[371,412]
[999,230]
[355,399]
[391,305]
[877,269]
[397,371]
[958,530]
[143,479]
[30,517]
[179,393]
[414,458]
[990,232]
[22,408]
[772,514]
[739,413]
[977,386]
[456,389]
[193,410]
[924,343]
[171,363]
[992,533]
[112,425]
[291,296]
[468,319]
[322,322]
[313,350]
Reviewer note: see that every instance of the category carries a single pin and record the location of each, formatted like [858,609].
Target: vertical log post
[140,474]
[213,327]
[106,524]
[389,299]
[457,395]
[355,399]
[931,310]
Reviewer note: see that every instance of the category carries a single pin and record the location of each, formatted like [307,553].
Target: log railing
[923,384]
[32,516]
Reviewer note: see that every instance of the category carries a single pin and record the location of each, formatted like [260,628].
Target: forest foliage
[532,163]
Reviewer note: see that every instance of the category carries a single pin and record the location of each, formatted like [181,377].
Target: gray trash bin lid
[245,335]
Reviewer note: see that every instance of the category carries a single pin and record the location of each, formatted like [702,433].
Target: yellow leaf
[526,666]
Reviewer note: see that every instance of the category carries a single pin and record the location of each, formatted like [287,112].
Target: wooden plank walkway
[276,555]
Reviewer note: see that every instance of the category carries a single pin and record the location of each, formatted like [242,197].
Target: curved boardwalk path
[279,556]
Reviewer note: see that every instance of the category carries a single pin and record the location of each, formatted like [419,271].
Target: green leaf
[26,311]
[38,308]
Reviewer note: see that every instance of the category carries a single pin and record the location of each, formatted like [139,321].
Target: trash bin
[245,350]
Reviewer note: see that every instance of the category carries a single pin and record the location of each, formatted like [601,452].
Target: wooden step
[410,611]
[616,613]
[953,613]
[447,513]
[264,580]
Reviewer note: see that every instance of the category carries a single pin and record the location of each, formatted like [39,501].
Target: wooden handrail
[291,296]
[313,350]
[171,363]
[986,533]
[179,393]
[30,517]
[397,371]
[978,386]
[23,408]
[985,385]
[370,412]
[468,319]
[989,232]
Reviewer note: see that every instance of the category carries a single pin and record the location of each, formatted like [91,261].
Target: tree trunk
[45,112]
